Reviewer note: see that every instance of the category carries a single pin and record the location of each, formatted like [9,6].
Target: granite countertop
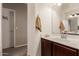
[69,41]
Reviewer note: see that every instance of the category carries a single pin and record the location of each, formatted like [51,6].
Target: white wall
[55,22]
[45,13]
[32,35]
[56,17]
[30,29]
[34,41]
[0,29]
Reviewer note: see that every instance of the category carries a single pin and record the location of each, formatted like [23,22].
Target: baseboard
[21,45]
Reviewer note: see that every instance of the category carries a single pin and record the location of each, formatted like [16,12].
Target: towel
[38,23]
[62,28]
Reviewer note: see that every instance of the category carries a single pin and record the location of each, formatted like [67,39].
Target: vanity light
[75,15]
[70,16]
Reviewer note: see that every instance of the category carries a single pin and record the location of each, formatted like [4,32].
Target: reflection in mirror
[73,24]
[69,14]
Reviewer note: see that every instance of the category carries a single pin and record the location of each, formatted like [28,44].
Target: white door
[5,29]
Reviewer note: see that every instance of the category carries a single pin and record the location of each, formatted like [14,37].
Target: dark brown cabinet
[49,48]
[61,50]
[46,47]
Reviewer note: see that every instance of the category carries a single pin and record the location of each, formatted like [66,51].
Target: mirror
[68,13]
[72,24]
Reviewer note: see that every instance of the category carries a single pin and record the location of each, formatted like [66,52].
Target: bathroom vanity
[58,47]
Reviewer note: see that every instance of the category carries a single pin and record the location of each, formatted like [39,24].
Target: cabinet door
[45,47]
[60,50]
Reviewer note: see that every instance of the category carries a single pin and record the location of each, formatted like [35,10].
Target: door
[5,29]
[8,28]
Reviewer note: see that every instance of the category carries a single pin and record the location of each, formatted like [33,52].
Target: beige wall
[21,22]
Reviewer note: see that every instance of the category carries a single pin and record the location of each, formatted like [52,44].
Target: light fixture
[75,15]
[70,16]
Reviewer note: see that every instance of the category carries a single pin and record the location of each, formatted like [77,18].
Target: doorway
[16,37]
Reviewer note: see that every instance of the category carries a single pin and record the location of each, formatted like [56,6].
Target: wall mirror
[71,22]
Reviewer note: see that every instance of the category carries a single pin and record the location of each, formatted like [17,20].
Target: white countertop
[69,41]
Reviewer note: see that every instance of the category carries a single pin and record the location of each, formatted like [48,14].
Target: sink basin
[62,40]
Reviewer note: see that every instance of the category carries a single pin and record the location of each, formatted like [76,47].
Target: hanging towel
[38,23]
[62,28]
